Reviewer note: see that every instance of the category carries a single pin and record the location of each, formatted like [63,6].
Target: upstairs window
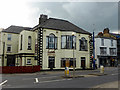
[9,48]
[111,42]
[9,37]
[102,42]
[29,42]
[83,44]
[68,42]
[51,42]
[103,50]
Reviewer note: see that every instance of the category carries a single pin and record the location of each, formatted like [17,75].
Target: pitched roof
[62,25]
[16,29]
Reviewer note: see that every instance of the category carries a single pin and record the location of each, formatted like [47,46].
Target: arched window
[51,42]
[29,42]
[83,44]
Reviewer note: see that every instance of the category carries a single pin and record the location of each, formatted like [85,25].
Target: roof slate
[16,29]
[62,25]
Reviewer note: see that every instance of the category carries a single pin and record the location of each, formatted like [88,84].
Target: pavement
[108,85]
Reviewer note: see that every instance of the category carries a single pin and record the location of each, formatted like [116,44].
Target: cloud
[83,14]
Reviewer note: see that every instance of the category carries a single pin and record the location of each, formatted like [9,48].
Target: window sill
[28,64]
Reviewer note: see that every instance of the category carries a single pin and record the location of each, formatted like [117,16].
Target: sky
[87,14]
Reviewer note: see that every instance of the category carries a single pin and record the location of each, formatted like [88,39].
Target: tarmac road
[54,79]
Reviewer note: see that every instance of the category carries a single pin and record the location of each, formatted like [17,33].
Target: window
[112,51]
[51,42]
[29,42]
[68,42]
[103,50]
[83,44]
[67,62]
[111,42]
[21,42]
[9,48]
[102,42]
[28,61]
[9,37]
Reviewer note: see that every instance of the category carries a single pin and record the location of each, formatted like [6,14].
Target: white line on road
[3,82]
[115,74]
[36,80]
[54,80]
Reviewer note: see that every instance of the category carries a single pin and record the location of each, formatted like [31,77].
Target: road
[54,79]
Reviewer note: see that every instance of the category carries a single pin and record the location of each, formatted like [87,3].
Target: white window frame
[10,47]
[9,37]
[30,61]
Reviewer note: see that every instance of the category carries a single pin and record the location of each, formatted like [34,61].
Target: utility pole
[73,34]
[93,50]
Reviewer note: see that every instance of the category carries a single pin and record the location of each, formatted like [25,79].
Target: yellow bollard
[102,69]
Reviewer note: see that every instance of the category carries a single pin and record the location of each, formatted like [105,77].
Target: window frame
[30,62]
[29,43]
[55,42]
[68,42]
[9,37]
[8,45]
[83,47]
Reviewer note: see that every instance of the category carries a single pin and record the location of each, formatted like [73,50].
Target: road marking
[54,80]
[115,74]
[36,80]
[3,82]
[49,77]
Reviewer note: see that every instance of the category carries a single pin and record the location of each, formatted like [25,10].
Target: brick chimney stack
[42,18]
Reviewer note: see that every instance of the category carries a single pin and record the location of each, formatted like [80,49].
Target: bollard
[102,69]
[66,71]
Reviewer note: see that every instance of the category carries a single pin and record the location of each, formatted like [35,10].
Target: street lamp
[73,34]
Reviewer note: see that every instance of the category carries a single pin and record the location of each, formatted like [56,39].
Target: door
[51,62]
[83,62]
[10,60]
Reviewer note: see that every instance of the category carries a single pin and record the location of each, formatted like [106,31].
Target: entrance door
[83,62]
[10,60]
[51,62]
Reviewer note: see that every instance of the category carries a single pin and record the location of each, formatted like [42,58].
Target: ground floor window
[28,61]
[67,62]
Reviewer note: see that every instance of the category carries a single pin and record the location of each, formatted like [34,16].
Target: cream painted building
[9,47]
[57,47]
[51,44]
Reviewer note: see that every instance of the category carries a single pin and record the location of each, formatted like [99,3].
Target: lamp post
[73,34]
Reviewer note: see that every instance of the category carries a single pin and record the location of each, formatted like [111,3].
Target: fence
[19,69]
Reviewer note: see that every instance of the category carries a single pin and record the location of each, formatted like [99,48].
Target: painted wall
[107,43]
[25,41]
[65,53]
[13,42]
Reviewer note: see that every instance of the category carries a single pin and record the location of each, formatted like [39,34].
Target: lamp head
[73,33]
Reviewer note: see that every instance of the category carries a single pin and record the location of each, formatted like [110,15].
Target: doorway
[51,62]
[83,62]
[10,60]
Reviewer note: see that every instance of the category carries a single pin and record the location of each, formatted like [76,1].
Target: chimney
[42,18]
[106,30]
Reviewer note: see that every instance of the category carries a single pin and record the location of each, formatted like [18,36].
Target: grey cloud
[83,14]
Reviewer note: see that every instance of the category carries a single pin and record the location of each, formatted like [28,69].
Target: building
[11,51]
[118,45]
[0,46]
[52,44]
[57,47]
[106,49]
